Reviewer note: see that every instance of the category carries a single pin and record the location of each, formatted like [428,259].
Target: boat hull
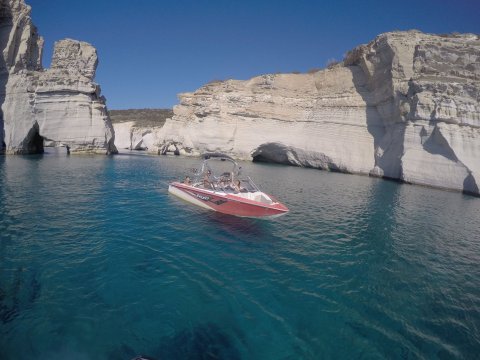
[226,203]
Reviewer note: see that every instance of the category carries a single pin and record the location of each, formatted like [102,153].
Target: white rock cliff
[61,104]
[132,137]
[405,106]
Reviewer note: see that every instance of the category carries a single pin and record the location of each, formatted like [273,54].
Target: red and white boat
[228,193]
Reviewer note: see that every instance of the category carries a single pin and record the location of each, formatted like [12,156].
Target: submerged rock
[405,106]
[206,341]
[22,293]
[61,104]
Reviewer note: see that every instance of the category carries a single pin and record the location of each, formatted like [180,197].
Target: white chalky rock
[59,105]
[405,106]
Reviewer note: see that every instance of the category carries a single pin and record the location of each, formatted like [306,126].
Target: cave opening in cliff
[261,158]
[34,141]
[271,153]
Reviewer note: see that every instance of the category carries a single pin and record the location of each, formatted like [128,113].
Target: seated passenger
[187,180]
[237,186]
[207,183]
[224,181]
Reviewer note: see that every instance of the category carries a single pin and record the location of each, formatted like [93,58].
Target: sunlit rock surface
[61,104]
[139,129]
[129,136]
[405,106]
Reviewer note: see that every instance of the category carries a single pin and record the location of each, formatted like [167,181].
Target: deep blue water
[98,261]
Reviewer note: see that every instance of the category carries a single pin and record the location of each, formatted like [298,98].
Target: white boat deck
[254,196]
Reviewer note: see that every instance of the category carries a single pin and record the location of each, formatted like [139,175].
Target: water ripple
[97,261]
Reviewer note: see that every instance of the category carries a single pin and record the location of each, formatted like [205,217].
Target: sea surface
[98,261]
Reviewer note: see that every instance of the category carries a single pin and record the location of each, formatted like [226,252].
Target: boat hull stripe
[224,203]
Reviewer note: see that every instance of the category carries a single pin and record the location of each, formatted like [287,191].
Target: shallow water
[98,261]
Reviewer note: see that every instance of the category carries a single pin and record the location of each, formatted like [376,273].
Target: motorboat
[220,186]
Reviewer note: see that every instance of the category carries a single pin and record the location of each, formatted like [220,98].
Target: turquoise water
[97,261]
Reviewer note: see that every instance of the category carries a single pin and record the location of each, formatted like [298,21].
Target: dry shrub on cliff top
[313,70]
[141,117]
[332,62]
[452,34]
[214,81]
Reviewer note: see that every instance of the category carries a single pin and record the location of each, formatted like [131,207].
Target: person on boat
[187,180]
[207,183]
[237,186]
[224,181]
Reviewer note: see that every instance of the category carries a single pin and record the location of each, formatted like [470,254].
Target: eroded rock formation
[139,129]
[130,136]
[405,106]
[61,104]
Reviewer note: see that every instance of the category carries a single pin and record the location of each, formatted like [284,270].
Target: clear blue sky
[150,50]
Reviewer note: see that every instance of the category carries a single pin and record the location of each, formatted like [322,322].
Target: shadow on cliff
[6,24]
[436,144]
[388,139]
[11,38]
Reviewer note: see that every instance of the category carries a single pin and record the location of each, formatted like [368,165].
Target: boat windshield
[221,172]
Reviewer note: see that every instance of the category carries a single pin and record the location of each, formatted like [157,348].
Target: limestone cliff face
[404,106]
[139,129]
[130,136]
[61,104]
